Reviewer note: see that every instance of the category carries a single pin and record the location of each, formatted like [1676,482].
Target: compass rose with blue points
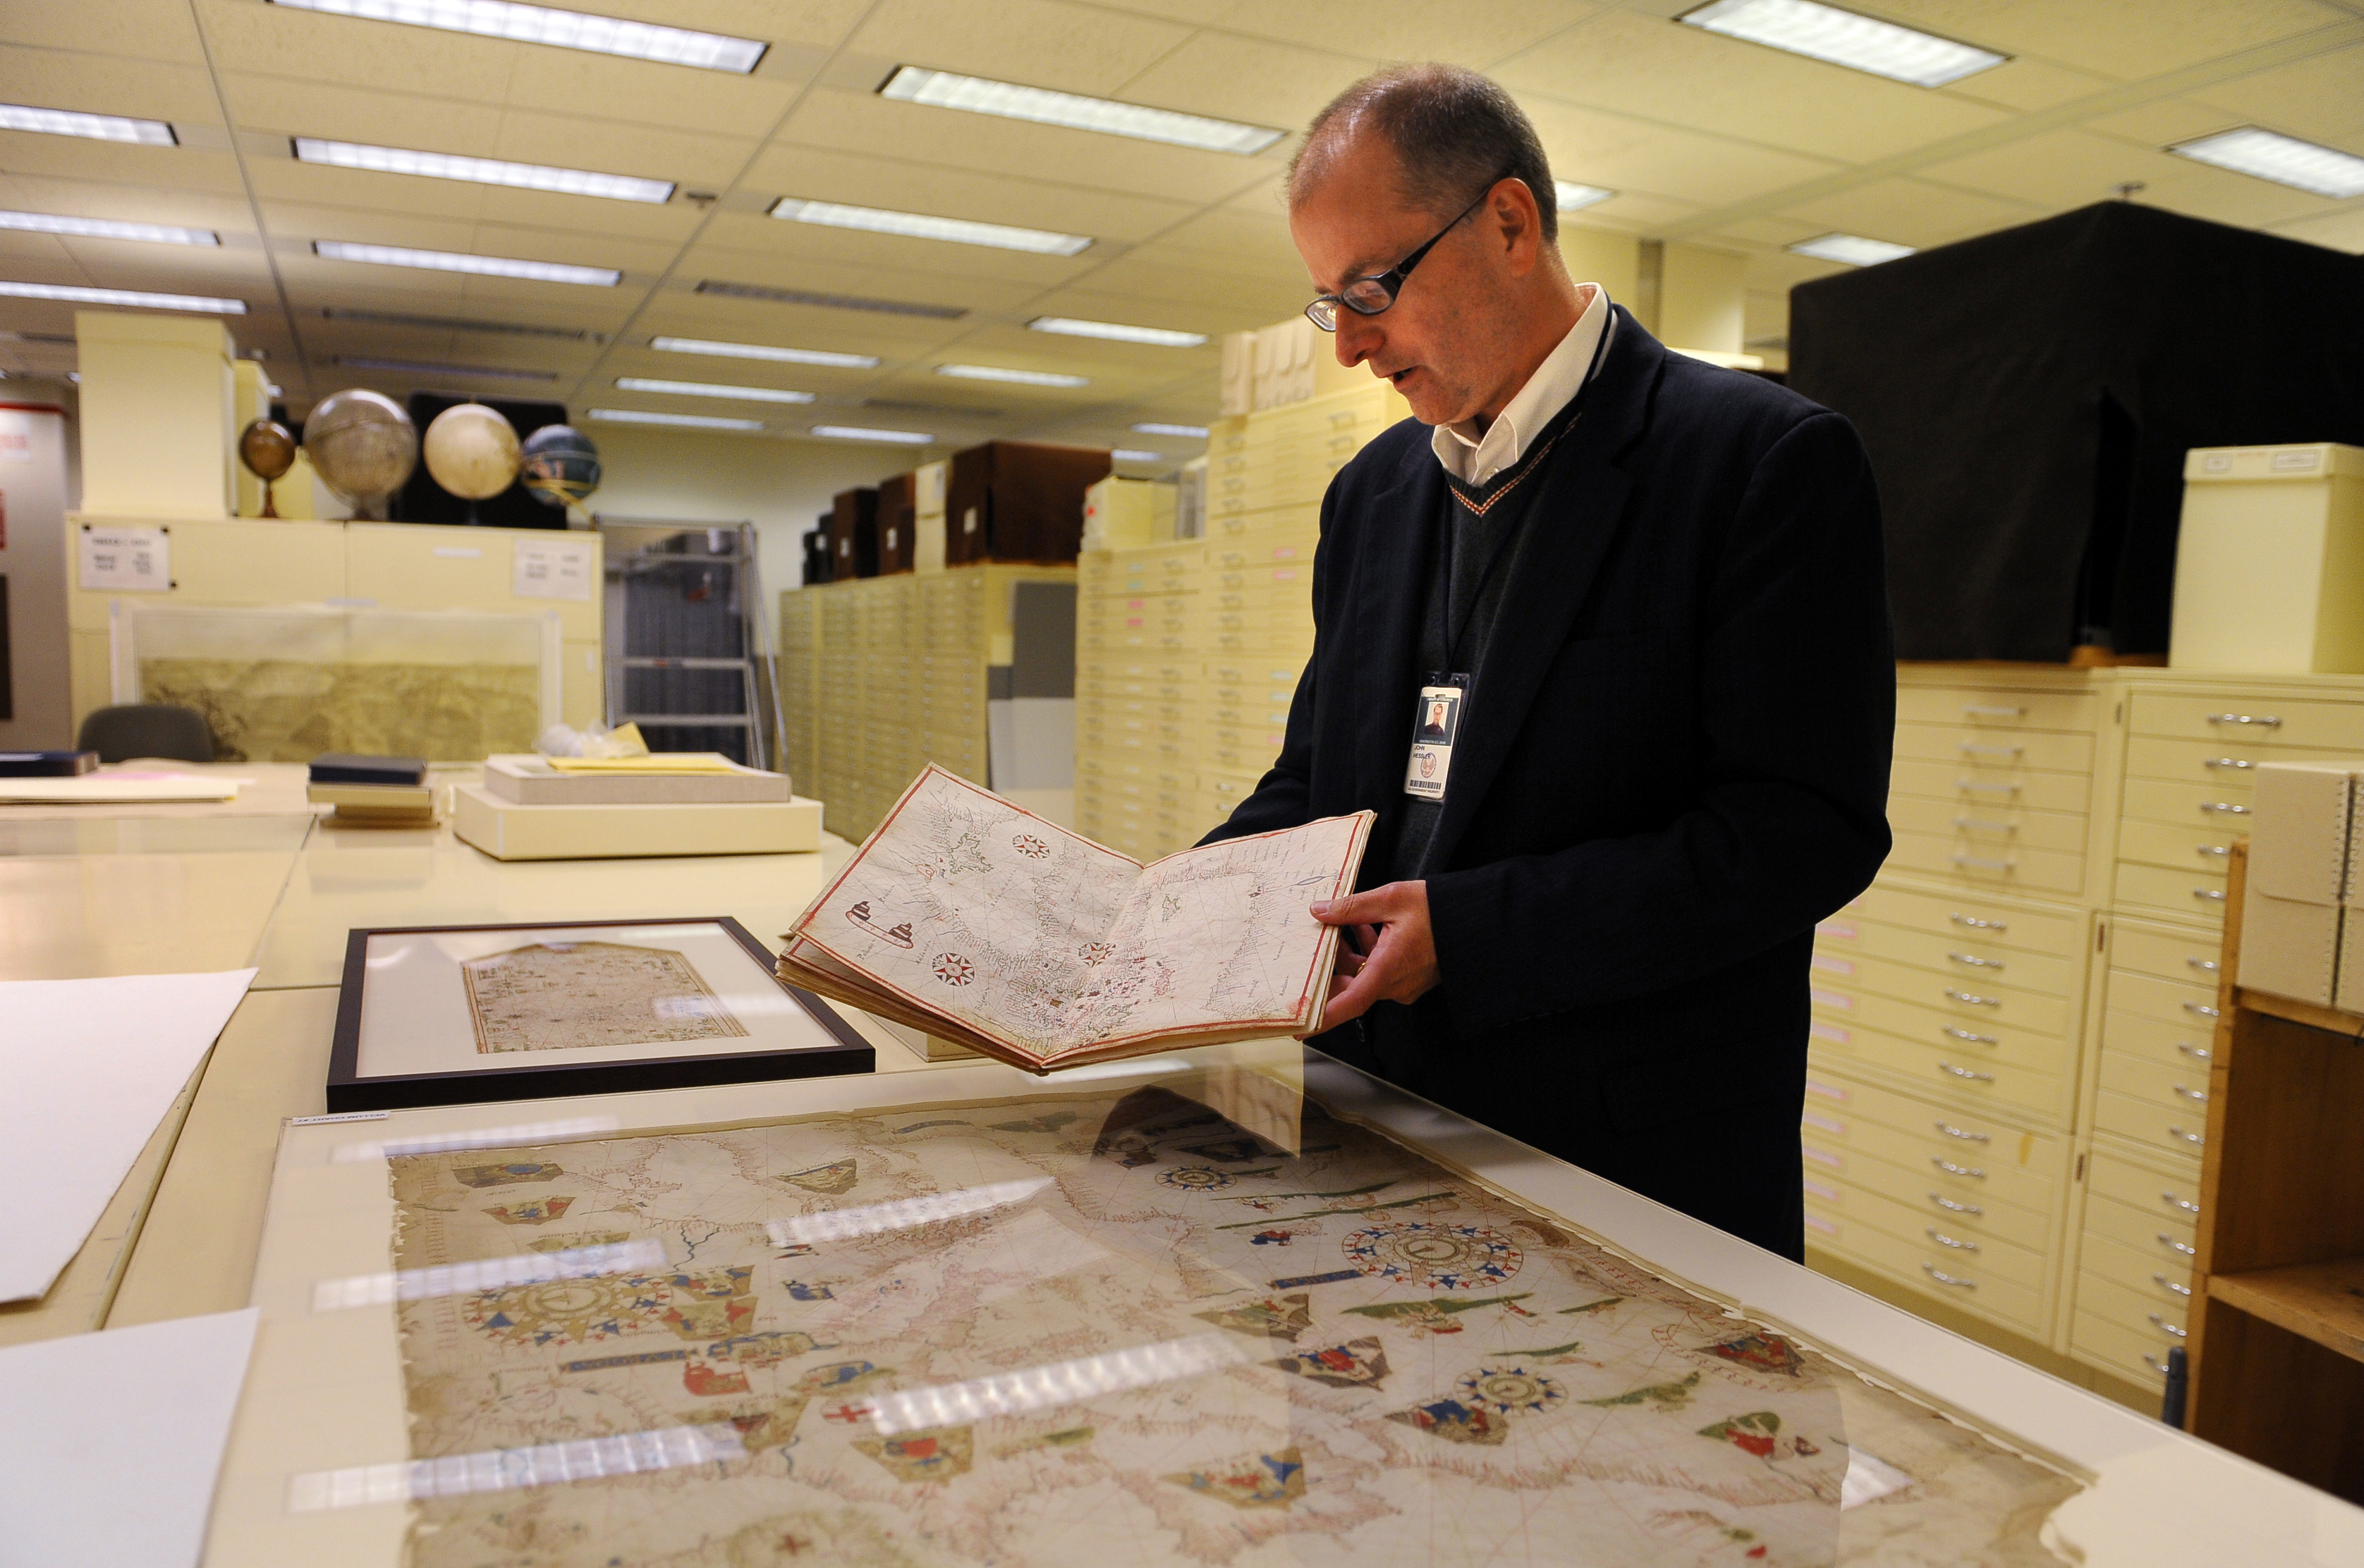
[1434,1255]
[1510,1390]
[569,1311]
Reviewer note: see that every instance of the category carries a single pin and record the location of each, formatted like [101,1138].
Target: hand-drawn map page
[1042,941]
[559,995]
[1368,1360]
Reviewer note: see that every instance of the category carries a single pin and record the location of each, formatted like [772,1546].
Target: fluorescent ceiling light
[107,228]
[459,324]
[1130,454]
[455,261]
[863,433]
[2285,159]
[763,352]
[1574,197]
[1196,432]
[560,30]
[99,127]
[133,297]
[1115,332]
[921,226]
[693,421]
[978,94]
[482,170]
[1844,37]
[711,389]
[1852,248]
[431,367]
[832,301]
[1024,378]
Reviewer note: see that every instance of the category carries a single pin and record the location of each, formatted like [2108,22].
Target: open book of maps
[977,921]
[1110,1324]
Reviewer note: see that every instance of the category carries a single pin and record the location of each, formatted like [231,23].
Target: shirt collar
[1473,458]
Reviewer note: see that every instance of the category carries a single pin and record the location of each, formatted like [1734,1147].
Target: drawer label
[1838,929]
[1832,1032]
[1827,1091]
[1834,965]
[1816,1189]
[1822,1157]
[1816,1119]
[1832,999]
[1816,1222]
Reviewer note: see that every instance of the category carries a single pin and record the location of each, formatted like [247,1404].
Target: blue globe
[560,465]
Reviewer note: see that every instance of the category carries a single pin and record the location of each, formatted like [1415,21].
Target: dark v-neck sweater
[1489,539]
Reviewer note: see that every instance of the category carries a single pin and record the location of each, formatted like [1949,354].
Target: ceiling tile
[2126,39]
[98,84]
[569,82]
[1475,36]
[294,226]
[1627,154]
[1247,79]
[1913,212]
[309,47]
[2163,122]
[119,163]
[930,187]
[1043,43]
[1657,71]
[2321,99]
[2064,168]
[2340,230]
[139,29]
[2027,84]
[360,191]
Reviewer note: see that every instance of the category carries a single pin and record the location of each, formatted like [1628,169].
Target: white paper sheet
[87,1069]
[113,1442]
[95,789]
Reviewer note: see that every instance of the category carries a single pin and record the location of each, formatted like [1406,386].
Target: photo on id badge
[1431,743]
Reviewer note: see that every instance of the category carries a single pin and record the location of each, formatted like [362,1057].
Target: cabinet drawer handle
[1984,862]
[1972,710]
[2200,1095]
[1967,1137]
[2191,1051]
[2212,895]
[2202,1008]
[2191,1137]
[1950,1206]
[1972,748]
[2244,719]
[2170,1284]
[2172,1244]
[1969,1001]
[1975,962]
[2225,806]
[1966,1036]
[1966,1073]
[2227,762]
[2184,1204]
[1987,788]
[2210,964]
[2151,1362]
[1974,923]
[1949,1279]
[2212,849]
[1943,1240]
[2165,1327]
[1953,1170]
[1973,825]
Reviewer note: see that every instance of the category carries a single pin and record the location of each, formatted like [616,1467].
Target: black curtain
[421,500]
[2027,398]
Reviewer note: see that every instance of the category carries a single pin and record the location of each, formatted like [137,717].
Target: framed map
[1039,1330]
[443,1015]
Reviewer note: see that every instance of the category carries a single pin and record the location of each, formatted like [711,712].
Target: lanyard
[1449,639]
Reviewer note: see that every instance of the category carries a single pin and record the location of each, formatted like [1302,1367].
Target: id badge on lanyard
[1436,722]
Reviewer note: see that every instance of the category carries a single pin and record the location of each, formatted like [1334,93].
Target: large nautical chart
[1208,1350]
[968,904]
[557,996]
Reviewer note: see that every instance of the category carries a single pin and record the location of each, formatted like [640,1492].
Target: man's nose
[1358,338]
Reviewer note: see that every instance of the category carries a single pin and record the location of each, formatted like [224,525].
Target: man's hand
[1388,954]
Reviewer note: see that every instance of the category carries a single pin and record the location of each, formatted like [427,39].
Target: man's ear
[1517,223]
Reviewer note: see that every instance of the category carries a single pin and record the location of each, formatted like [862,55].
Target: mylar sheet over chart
[1095,1326]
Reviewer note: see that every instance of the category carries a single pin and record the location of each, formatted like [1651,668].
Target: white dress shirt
[1474,459]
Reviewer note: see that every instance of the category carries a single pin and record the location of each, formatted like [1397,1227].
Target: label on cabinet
[136,561]
[551,568]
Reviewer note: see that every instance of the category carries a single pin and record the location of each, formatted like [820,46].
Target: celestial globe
[268,451]
[561,466]
[363,446]
[472,452]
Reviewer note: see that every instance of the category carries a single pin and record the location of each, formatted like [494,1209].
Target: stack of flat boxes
[2009,1062]
[1188,653]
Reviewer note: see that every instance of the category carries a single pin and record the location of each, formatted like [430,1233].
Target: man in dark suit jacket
[1657,589]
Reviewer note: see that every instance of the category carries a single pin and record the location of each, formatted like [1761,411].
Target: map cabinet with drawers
[2007,1094]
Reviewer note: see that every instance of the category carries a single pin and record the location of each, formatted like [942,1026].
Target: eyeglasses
[1369,296]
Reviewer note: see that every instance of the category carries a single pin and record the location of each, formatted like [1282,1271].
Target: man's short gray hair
[1455,133]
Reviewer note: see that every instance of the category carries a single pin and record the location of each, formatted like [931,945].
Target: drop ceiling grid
[1704,138]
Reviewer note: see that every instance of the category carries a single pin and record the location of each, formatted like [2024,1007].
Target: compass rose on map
[1510,1390]
[1032,848]
[1437,1256]
[953,970]
[569,1311]
[1195,1179]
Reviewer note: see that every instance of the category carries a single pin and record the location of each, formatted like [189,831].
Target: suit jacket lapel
[1391,571]
[1574,522]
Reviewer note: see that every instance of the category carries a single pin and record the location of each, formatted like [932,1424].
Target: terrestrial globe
[363,446]
[472,452]
[561,466]
[268,451]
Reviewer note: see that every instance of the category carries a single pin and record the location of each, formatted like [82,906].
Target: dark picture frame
[349,1090]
